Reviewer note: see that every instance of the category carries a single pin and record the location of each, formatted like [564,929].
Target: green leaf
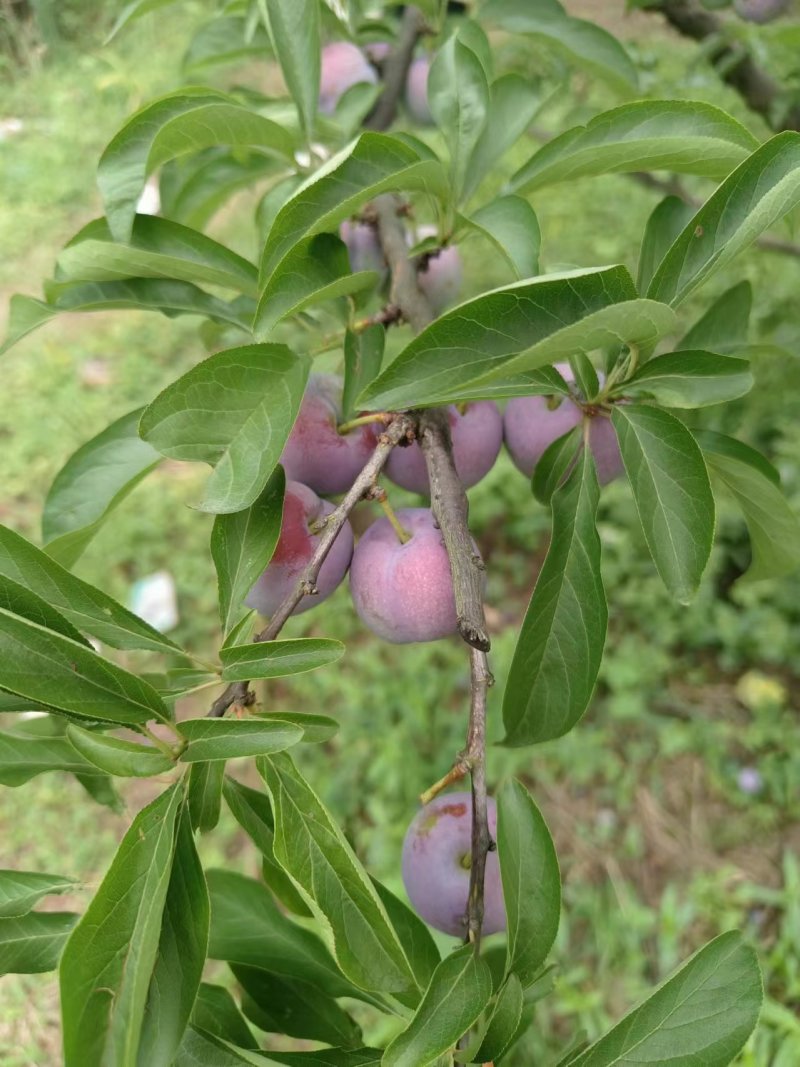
[363,355]
[555,464]
[221,739]
[703,1014]
[194,188]
[91,484]
[22,890]
[109,959]
[204,1049]
[458,96]
[225,39]
[157,248]
[531,881]
[685,136]
[275,659]
[313,271]
[18,600]
[758,193]
[584,45]
[205,794]
[188,120]
[560,645]
[44,666]
[414,935]
[537,321]
[253,812]
[773,526]
[666,221]
[86,607]
[242,545]
[376,163]
[234,410]
[124,759]
[510,224]
[723,327]
[672,493]
[181,954]
[316,728]
[22,758]
[294,26]
[282,1006]
[513,103]
[33,943]
[504,1022]
[315,854]
[690,379]
[458,992]
[248,927]
[215,1010]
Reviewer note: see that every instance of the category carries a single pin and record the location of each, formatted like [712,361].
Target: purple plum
[436,861]
[417,91]
[403,591]
[343,66]
[532,423]
[363,247]
[477,434]
[296,544]
[443,275]
[316,453]
[760,11]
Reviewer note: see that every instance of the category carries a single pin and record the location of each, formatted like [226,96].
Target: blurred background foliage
[675,802]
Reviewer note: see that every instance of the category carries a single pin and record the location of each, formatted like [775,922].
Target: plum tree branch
[401,426]
[736,67]
[395,70]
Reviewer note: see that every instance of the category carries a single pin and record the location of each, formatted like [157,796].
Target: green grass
[660,848]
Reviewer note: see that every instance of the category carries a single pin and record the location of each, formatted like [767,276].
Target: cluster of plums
[344,65]
[401,587]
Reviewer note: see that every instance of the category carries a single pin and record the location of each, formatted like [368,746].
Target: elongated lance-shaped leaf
[158,248]
[124,759]
[275,659]
[510,224]
[33,943]
[583,44]
[23,757]
[375,163]
[194,188]
[22,890]
[691,379]
[504,1021]
[666,221]
[672,493]
[363,355]
[313,851]
[294,26]
[458,992]
[315,271]
[181,955]
[723,326]
[703,1014]
[224,39]
[108,961]
[215,1010]
[531,881]
[248,927]
[221,739]
[754,485]
[560,645]
[64,674]
[19,600]
[686,136]
[91,484]
[242,544]
[86,607]
[757,194]
[204,794]
[185,121]
[234,410]
[482,335]
[202,1048]
[458,96]
[415,937]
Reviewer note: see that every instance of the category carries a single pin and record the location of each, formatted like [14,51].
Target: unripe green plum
[436,862]
[296,545]
[532,423]
[403,592]
[343,66]
[417,91]
[442,277]
[315,452]
[477,435]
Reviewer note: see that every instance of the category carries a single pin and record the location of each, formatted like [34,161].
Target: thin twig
[395,70]
[402,426]
[480,680]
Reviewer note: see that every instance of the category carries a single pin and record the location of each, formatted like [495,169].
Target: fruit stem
[363,420]
[458,771]
[378,494]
